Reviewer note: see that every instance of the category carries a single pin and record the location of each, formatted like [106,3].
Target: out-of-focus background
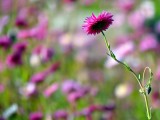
[50,69]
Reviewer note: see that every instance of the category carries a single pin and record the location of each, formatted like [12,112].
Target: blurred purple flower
[73,90]
[60,115]
[125,5]
[5,42]
[41,29]
[14,59]
[156,99]
[20,22]
[74,96]
[44,53]
[20,47]
[149,42]
[69,86]
[69,1]
[51,89]
[24,34]
[109,107]
[39,77]
[157,74]
[89,110]
[95,25]
[39,32]
[54,67]
[136,20]
[36,116]
[6,5]
[1,118]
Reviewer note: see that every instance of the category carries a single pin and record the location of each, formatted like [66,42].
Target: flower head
[95,25]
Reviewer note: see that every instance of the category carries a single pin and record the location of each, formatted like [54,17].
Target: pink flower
[157,74]
[36,116]
[125,5]
[149,42]
[95,25]
[14,59]
[69,1]
[20,22]
[5,42]
[20,47]
[38,77]
[54,67]
[136,20]
[44,53]
[51,89]
[60,115]
[69,86]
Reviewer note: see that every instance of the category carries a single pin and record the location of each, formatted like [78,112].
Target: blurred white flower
[147,9]
[123,90]
[35,60]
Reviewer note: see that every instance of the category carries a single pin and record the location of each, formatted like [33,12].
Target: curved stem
[142,88]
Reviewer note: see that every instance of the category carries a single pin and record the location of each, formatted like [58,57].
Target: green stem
[142,88]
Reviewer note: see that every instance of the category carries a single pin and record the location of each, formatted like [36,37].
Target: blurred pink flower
[148,42]
[157,74]
[69,86]
[20,46]
[54,67]
[69,1]
[121,52]
[73,90]
[23,34]
[51,89]
[38,77]
[125,5]
[6,5]
[5,42]
[156,99]
[95,25]
[44,53]
[36,116]
[74,96]
[20,22]
[21,19]
[60,115]
[136,20]
[38,32]
[14,59]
